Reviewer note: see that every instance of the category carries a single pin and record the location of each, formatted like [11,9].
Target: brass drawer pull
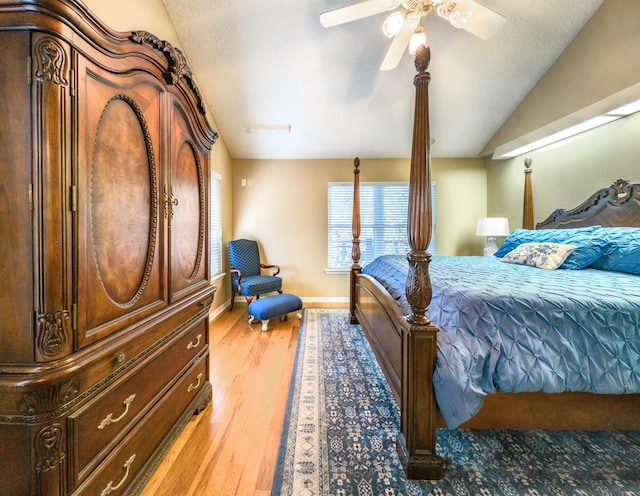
[110,487]
[109,418]
[193,387]
[196,344]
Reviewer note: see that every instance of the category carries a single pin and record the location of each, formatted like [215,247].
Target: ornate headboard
[615,206]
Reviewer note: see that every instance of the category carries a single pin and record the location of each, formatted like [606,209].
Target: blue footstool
[265,309]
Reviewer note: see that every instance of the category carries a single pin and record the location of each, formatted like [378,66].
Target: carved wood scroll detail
[53,333]
[52,63]
[619,193]
[49,446]
[178,67]
[622,191]
[37,402]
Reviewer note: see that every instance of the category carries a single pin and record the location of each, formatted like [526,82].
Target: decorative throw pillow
[548,256]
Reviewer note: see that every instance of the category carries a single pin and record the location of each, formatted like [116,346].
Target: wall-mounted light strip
[269,129]
[503,152]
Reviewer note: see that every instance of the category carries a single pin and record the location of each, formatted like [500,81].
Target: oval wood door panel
[122,203]
[188,221]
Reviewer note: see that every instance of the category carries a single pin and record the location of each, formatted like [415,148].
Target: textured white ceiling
[271,62]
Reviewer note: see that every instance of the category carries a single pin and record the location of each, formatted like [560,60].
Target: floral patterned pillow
[548,256]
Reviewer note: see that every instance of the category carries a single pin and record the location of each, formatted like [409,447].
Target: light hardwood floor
[232,446]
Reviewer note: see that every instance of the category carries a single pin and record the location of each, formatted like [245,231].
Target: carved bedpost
[419,347]
[355,250]
[527,212]
[418,286]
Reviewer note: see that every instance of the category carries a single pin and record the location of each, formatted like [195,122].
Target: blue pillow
[519,236]
[589,247]
[624,255]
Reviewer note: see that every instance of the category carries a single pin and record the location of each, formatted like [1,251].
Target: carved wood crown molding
[178,67]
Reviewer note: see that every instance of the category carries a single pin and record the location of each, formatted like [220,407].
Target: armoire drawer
[105,419]
[121,467]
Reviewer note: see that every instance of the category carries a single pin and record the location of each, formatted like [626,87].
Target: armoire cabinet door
[186,195]
[35,299]
[119,215]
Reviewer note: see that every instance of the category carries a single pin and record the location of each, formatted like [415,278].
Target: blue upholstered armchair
[246,277]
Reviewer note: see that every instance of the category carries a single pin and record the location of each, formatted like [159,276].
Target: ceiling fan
[404,27]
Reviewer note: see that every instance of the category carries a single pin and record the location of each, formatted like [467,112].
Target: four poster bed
[476,325]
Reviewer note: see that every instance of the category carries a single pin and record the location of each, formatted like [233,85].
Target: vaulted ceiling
[271,62]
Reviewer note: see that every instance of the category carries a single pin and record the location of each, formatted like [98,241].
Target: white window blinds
[215,229]
[383,219]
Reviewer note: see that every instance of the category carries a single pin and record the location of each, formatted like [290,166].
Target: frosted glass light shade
[417,38]
[393,24]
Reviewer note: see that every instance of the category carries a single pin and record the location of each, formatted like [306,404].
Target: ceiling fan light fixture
[457,13]
[460,15]
[393,23]
[402,26]
[472,17]
[411,4]
[418,38]
[443,9]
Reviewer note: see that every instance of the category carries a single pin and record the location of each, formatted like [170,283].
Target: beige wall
[143,15]
[597,72]
[284,207]
[151,15]
[566,173]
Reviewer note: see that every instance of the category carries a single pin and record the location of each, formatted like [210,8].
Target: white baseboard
[214,313]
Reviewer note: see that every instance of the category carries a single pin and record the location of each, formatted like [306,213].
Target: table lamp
[492,227]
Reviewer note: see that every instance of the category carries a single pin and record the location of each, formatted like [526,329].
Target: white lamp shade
[492,226]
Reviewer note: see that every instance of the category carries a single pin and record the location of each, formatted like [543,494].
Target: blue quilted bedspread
[513,328]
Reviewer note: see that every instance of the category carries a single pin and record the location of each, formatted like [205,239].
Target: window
[383,221]
[215,229]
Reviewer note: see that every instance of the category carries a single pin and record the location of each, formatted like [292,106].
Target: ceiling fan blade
[400,43]
[356,11]
[482,21]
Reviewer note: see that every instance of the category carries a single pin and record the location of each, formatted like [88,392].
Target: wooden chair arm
[277,267]
[236,271]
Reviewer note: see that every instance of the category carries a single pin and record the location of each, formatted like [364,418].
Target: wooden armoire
[104,267]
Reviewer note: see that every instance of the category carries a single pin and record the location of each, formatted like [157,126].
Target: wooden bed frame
[405,345]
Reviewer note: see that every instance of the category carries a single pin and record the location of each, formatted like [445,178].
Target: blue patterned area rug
[342,421]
